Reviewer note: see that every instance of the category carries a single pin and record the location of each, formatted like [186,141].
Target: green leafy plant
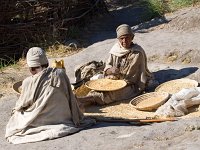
[157,8]
[154,8]
[176,4]
[4,62]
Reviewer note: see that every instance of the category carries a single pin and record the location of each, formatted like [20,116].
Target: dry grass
[12,74]
[60,50]
[172,56]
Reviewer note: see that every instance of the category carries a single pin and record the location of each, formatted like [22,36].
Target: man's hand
[111,77]
[112,71]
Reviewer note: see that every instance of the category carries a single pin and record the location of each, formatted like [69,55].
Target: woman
[47,107]
[126,61]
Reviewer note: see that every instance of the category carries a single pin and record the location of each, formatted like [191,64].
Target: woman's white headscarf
[36,57]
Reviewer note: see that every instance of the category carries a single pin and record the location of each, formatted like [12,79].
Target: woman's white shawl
[46,109]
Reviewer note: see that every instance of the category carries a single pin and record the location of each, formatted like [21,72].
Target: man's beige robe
[46,109]
[133,69]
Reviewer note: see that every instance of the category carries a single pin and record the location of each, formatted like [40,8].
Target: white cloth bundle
[179,103]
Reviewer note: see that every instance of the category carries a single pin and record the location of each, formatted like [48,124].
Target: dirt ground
[172,45]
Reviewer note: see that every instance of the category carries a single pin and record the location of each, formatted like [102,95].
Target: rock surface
[172,49]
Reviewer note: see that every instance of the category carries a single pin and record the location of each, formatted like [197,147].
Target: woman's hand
[112,71]
[113,77]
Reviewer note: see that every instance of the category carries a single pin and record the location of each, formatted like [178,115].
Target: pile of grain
[117,110]
[124,110]
[175,86]
[106,84]
[148,102]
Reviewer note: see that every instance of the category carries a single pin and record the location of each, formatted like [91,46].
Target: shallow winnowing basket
[149,101]
[175,86]
[17,87]
[105,84]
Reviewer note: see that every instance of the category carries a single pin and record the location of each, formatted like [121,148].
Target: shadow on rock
[149,24]
[134,16]
[172,74]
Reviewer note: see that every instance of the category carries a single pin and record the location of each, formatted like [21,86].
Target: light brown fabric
[88,70]
[46,109]
[133,69]
[124,29]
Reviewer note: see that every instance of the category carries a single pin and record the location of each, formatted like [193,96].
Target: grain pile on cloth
[46,109]
[121,110]
[179,105]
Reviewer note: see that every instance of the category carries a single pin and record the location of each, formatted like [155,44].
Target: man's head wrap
[124,29]
[36,57]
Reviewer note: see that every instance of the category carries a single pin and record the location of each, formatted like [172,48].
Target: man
[126,61]
[47,107]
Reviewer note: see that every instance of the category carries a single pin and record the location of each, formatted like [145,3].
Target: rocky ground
[172,44]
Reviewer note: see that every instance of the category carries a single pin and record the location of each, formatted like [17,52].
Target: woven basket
[149,101]
[17,87]
[175,86]
[82,91]
[105,84]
